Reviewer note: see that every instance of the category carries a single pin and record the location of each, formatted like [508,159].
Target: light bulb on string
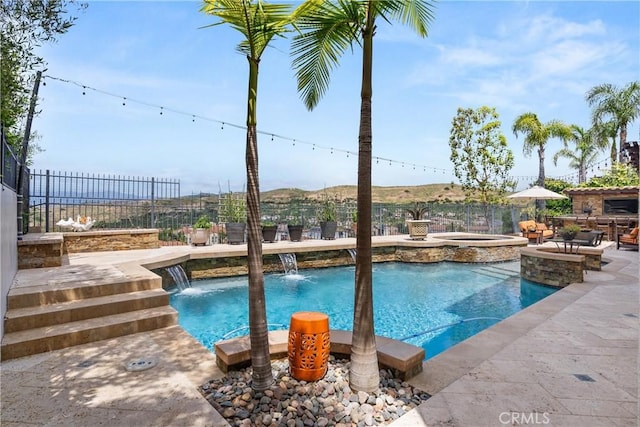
[84,88]
[222,126]
[193,118]
[124,101]
[271,137]
[161,110]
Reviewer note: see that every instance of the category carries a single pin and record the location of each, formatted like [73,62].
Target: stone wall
[553,269]
[40,250]
[110,240]
[237,265]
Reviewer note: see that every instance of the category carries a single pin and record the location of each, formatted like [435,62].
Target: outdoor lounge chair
[630,239]
[535,230]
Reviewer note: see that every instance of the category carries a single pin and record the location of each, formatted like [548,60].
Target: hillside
[401,194]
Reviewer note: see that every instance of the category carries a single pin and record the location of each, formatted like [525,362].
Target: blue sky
[516,56]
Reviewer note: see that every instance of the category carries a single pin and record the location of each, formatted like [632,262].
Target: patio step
[21,319]
[83,306]
[56,293]
[48,338]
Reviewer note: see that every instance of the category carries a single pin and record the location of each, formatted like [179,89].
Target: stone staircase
[49,316]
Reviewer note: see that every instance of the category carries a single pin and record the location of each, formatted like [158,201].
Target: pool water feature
[413,301]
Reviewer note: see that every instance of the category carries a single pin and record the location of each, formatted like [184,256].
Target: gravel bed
[327,402]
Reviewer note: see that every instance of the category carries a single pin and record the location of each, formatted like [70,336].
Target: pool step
[43,315]
[498,271]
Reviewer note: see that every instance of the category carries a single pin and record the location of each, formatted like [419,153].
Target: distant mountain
[400,194]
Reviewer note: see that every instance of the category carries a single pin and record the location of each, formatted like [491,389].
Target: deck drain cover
[86,363]
[584,377]
[630,315]
[141,364]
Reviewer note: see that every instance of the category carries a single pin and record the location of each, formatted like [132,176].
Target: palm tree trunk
[540,204]
[364,374]
[623,141]
[258,332]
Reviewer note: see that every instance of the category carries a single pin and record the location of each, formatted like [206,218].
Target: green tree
[588,144]
[620,105]
[537,134]
[558,207]
[328,29]
[619,175]
[259,22]
[481,156]
[24,26]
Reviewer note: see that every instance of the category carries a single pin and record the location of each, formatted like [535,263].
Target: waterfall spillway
[289,263]
[352,252]
[179,277]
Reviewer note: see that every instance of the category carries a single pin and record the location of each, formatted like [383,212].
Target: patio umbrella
[536,193]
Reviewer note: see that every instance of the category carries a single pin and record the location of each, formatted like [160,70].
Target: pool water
[434,306]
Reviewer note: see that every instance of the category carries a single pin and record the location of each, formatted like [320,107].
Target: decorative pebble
[327,402]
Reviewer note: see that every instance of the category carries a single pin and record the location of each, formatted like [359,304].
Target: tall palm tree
[588,143]
[620,105]
[537,134]
[328,29]
[607,131]
[258,22]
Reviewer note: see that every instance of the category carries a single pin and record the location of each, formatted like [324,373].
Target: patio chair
[630,239]
[594,237]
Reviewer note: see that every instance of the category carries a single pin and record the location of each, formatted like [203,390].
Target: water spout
[289,263]
[179,277]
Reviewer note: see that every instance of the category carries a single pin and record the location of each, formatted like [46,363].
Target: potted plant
[201,231]
[327,218]
[296,228]
[568,232]
[233,211]
[269,231]
[418,227]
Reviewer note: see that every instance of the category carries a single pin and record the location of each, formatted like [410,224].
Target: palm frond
[327,32]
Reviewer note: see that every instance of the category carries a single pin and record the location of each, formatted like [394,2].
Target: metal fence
[117,202]
[112,201]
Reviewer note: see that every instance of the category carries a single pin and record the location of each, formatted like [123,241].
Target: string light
[273,136]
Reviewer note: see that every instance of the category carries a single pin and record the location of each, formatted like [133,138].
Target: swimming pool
[434,306]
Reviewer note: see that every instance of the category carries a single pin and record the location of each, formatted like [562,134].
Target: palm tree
[328,29]
[620,105]
[258,22]
[606,131]
[537,135]
[588,144]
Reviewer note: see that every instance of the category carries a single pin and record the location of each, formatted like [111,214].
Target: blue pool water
[409,299]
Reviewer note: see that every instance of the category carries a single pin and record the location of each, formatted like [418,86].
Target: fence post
[153,219]
[468,217]
[46,203]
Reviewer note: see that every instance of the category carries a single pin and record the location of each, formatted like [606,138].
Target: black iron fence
[111,201]
[117,202]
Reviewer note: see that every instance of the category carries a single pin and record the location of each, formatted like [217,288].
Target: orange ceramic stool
[309,345]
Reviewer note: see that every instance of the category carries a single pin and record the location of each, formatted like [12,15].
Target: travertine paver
[88,385]
[577,367]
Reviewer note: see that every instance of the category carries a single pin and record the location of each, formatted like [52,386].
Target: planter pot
[200,236]
[295,233]
[269,233]
[568,236]
[328,230]
[418,228]
[235,232]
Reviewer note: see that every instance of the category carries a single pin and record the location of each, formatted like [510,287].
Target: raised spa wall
[237,265]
